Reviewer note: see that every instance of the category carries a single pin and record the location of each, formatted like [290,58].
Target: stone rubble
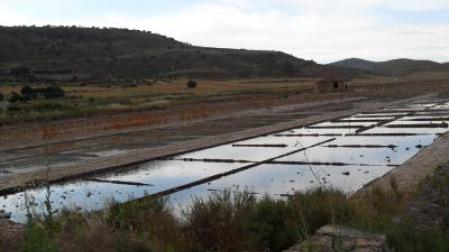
[334,238]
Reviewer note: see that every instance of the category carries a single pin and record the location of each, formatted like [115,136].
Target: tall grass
[228,222]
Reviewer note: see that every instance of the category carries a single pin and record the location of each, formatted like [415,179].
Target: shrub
[191,84]
[21,71]
[28,93]
[54,92]
[216,224]
[152,219]
[273,225]
[38,238]
[14,97]
[228,221]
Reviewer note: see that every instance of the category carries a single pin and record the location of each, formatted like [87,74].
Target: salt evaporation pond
[346,153]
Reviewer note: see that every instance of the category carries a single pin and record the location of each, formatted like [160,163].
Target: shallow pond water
[339,154]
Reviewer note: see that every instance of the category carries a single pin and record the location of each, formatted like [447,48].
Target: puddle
[109,153]
[332,153]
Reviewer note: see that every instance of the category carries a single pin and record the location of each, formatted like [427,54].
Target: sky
[320,30]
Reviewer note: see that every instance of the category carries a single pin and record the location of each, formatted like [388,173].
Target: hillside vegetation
[75,53]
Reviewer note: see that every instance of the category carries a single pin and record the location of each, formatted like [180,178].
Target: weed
[228,221]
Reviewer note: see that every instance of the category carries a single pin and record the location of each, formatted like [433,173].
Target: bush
[28,93]
[229,222]
[217,224]
[273,225]
[2,97]
[21,71]
[54,92]
[191,84]
[14,97]
[39,238]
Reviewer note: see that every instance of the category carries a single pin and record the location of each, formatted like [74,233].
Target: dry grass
[205,87]
[83,101]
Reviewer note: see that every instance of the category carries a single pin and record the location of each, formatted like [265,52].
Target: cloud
[321,30]
[324,30]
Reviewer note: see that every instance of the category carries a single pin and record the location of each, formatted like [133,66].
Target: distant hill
[392,67]
[67,53]
[357,63]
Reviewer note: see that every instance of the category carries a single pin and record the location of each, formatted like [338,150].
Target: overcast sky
[322,30]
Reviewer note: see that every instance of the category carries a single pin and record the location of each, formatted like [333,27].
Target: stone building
[333,84]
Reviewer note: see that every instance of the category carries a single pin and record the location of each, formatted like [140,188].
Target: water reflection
[332,153]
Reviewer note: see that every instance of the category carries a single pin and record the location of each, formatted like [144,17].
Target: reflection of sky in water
[345,124]
[273,179]
[277,180]
[389,115]
[430,117]
[374,119]
[255,153]
[419,123]
[24,166]
[406,148]
[323,131]
[285,179]
[166,174]
[162,175]
[442,106]
[413,106]
[406,130]
[108,153]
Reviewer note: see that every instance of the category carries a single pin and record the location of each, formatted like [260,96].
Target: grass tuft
[228,221]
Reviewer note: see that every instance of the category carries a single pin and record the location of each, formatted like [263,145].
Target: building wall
[336,86]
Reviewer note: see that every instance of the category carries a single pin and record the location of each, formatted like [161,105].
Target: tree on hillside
[191,84]
[14,97]
[54,91]
[21,71]
[28,93]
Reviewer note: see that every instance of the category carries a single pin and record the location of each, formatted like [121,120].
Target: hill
[357,63]
[392,67]
[64,53]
